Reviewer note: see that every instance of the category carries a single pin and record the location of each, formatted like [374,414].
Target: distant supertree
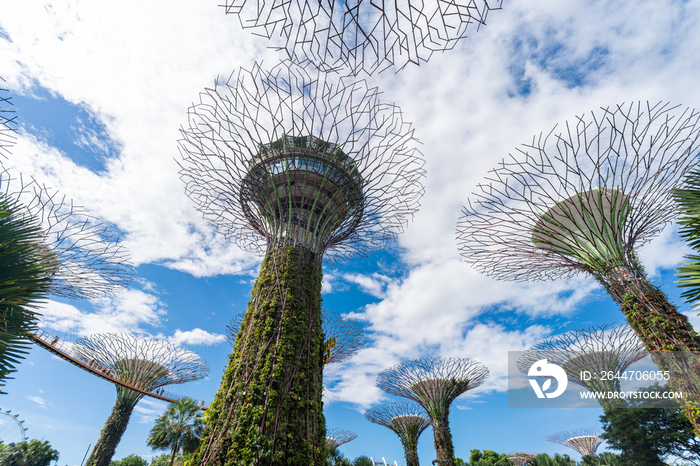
[361,35]
[520,458]
[407,420]
[139,361]
[338,437]
[303,168]
[581,200]
[435,383]
[584,440]
[84,255]
[343,338]
[8,123]
[600,350]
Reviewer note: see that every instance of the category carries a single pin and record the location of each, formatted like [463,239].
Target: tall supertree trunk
[410,449]
[268,410]
[666,334]
[114,428]
[444,448]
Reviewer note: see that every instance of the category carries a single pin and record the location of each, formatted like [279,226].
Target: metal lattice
[583,197]
[407,420]
[585,440]
[291,157]
[85,256]
[598,350]
[141,361]
[362,36]
[337,437]
[8,122]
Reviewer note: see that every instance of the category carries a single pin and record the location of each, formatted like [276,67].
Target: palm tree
[688,201]
[24,280]
[178,428]
[27,453]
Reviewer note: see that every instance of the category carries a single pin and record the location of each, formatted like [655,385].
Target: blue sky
[101,93]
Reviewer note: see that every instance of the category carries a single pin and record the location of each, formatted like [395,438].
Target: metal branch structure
[143,362]
[84,255]
[8,122]
[342,338]
[581,199]
[291,163]
[584,440]
[338,437]
[435,383]
[407,420]
[598,350]
[359,35]
[520,458]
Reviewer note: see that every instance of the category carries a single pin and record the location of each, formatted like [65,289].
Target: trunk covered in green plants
[114,428]
[666,334]
[268,410]
[444,449]
[410,447]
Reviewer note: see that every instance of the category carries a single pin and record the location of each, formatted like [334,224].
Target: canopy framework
[143,362]
[435,383]
[520,458]
[304,168]
[584,440]
[598,350]
[337,437]
[84,254]
[361,37]
[8,120]
[581,200]
[407,420]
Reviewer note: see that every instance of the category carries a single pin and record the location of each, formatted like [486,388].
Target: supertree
[343,338]
[302,168]
[520,458]
[584,440]
[143,362]
[84,255]
[361,35]
[435,383]
[338,437]
[8,123]
[599,350]
[407,420]
[581,200]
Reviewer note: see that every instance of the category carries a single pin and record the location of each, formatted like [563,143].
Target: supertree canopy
[84,256]
[520,458]
[338,437]
[435,383]
[600,350]
[303,168]
[585,440]
[360,35]
[142,362]
[581,200]
[407,420]
[342,338]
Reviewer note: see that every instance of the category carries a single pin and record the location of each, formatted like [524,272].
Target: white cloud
[196,336]
[40,401]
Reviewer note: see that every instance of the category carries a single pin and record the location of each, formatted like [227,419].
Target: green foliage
[688,202]
[362,461]
[488,458]
[131,460]
[336,458]
[178,428]
[28,453]
[543,459]
[24,280]
[269,402]
[648,431]
[111,433]
[604,459]
[164,460]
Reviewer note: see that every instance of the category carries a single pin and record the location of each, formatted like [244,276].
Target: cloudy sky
[102,90]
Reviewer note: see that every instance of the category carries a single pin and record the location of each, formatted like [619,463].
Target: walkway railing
[66,352]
